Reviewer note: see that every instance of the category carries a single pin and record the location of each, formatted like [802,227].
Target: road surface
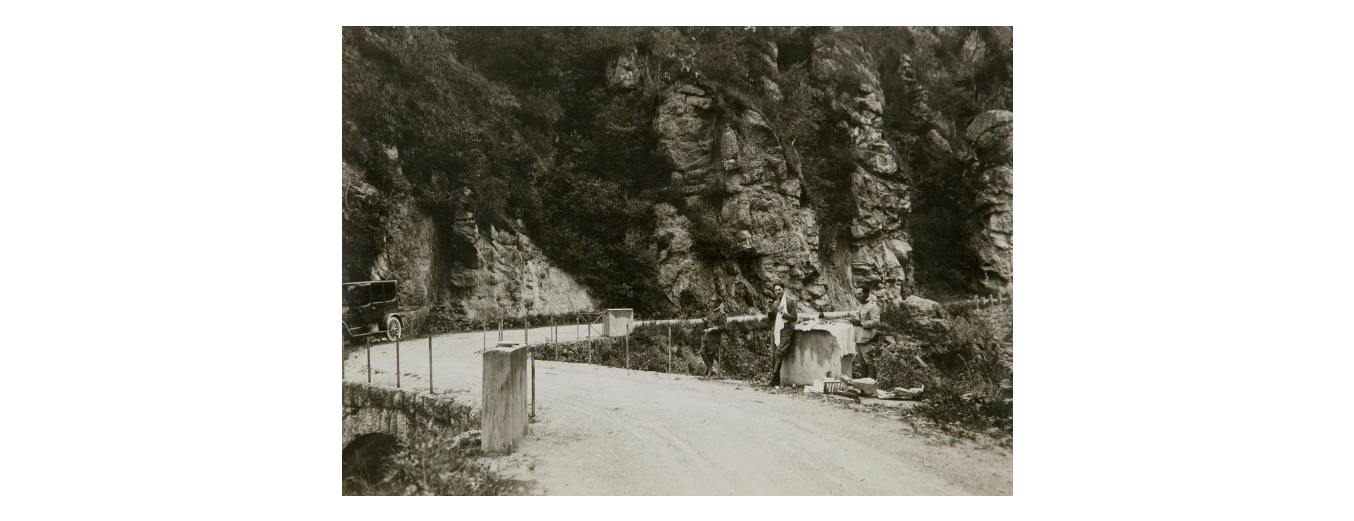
[608,431]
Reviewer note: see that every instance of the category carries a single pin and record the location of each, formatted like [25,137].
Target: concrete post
[504,405]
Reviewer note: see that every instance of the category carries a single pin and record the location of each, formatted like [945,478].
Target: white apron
[779,323]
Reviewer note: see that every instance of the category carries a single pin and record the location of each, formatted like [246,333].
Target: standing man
[714,328]
[866,320]
[782,318]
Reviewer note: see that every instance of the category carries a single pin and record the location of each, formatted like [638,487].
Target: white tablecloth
[844,331]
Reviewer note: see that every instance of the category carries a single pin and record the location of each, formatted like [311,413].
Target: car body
[372,308]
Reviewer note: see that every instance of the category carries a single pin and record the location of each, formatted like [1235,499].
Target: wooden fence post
[532,354]
[430,364]
[397,363]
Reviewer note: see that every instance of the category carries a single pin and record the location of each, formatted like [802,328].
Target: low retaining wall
[1002,318]
[401,413]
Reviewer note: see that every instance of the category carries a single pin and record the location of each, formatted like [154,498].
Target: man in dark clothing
[714,328]
[782,318]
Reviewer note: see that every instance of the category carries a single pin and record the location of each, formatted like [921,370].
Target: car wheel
[394,329]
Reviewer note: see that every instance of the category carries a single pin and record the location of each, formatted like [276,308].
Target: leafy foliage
[433,465]
[962,360]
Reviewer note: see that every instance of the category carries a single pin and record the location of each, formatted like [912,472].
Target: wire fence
[978,302]
[594,334]
[585,319]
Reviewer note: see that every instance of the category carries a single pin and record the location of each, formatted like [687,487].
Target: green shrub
[961,359]
[952,408]
[432,465]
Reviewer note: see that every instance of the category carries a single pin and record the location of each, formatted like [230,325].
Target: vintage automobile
[372,308]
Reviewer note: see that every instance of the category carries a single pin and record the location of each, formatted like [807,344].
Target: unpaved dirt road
[607,431]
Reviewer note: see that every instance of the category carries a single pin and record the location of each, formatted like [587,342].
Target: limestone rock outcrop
[448,259]
[991,226]
[623,70]
[511,275]
[731,208]
[881,249]
[740,194]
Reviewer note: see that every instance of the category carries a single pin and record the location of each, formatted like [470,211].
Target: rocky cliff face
[991,226]
[740,184]
[660,166]
[880,245]
[446,259]
[509,274]
[732,174]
